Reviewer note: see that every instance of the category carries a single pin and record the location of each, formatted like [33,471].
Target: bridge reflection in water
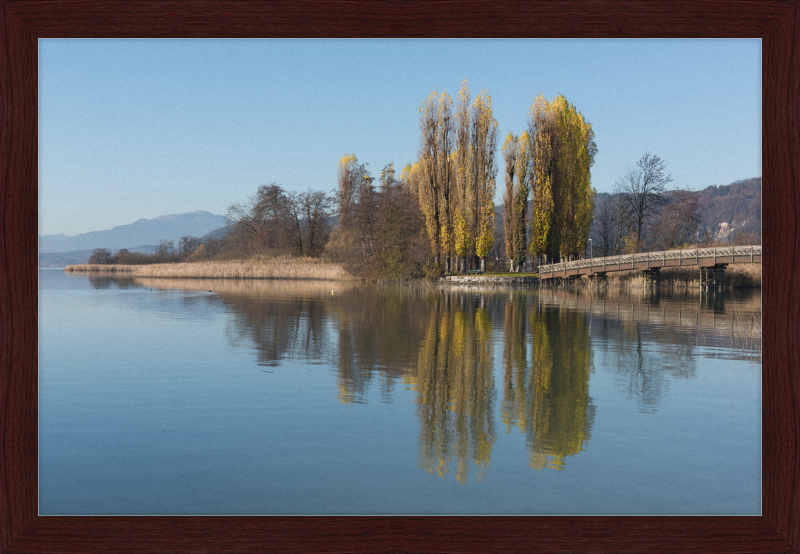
[478,362]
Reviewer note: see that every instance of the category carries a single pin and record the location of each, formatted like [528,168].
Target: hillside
[727,209]
[142,232]
[724,209]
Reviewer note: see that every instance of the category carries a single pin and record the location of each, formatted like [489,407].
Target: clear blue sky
[132,129]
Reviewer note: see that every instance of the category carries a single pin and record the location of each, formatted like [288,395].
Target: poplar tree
[465,183]
[562,151]
[521,195]
[347,177]
[516,154]
[446,175]
[543,149]
[405,179]
[430,186]
[456,176]
[484,148]
[509,152]
[575,159]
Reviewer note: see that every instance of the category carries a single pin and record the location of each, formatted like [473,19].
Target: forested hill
[724,209]
[731,208]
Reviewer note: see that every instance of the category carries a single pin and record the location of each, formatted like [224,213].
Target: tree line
[189,248]
[642,215]
[548,198]
[437,215]
[277,221]
[448,192]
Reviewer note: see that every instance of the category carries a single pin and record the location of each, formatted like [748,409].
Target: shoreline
[739,276]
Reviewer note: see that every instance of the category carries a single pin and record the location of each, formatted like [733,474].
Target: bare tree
[316,207]
[165,251]
[295,231]
[265,221]
[100,256]
[642,190]
[212,247]
[273,209]
[611,225]
[679,220]
[187,246]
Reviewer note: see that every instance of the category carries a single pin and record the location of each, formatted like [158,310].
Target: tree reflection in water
[439,345]
[455,386]
[645,350]
[547,398]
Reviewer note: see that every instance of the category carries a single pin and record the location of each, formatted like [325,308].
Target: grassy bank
[256,268]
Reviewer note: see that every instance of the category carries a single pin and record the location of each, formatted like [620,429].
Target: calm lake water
[273,397]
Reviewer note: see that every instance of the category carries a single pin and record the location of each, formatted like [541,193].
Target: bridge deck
[701,257]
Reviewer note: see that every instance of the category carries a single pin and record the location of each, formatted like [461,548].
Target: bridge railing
[611,262]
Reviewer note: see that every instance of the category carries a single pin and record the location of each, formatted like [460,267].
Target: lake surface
[198,397]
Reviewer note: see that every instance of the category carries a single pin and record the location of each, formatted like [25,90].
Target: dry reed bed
[736,276]
[257,268]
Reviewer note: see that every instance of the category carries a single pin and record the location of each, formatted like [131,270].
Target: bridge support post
[713,277]
[652,275]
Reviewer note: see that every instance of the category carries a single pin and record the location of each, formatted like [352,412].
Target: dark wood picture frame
[776,22]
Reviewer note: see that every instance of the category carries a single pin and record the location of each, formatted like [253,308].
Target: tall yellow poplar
[446,175]
[347,175]
[510,151]
[562,152]
[430,184]
[464,182]
[484,147]
[521,195]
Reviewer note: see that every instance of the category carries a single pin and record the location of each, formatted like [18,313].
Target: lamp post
[590,249]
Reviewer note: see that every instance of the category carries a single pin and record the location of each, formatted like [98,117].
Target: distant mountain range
[63,259]
[142,232]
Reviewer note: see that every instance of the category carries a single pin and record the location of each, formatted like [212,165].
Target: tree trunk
[483,265]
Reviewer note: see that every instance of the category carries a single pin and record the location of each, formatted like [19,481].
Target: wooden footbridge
[711,261]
